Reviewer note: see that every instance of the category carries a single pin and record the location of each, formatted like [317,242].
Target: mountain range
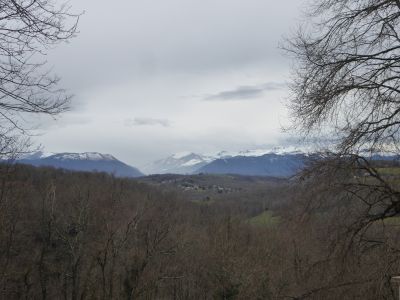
[88,161]
[271,164]
[181,163]
[277,162]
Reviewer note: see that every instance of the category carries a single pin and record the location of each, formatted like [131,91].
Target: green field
[266,218]
[391,171]
[392,221]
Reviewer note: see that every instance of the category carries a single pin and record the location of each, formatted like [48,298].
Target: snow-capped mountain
[275,162]
[35,155]
[88,161]
[180,163]
[189,163]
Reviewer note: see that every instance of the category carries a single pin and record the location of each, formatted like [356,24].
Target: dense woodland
[68,235]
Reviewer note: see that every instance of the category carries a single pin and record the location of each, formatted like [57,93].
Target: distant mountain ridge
[275,162]
[87,161]
[271,164]
[180,163]
[278,162]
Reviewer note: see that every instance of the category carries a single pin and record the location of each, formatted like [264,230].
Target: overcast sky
[151,78]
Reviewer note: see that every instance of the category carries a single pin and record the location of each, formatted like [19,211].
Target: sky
[152,78]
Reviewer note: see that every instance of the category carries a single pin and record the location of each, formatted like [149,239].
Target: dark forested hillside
[74,235]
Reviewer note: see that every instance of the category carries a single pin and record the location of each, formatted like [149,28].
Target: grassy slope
[266,218]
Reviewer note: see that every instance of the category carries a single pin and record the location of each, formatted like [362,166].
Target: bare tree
[346,86]
[347,75]
[347,83]
[27,29]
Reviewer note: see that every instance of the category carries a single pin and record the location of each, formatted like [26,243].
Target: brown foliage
[67,235]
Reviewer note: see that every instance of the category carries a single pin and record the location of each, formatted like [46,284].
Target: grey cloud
[246,92]
[140,41]
[45,122]
[147,122]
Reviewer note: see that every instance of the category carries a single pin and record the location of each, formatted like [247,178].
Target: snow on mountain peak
[275,150]
[84,156]
[181,155]
[260,152]
[65,156]
[35,155]
[180,163]
[192,162]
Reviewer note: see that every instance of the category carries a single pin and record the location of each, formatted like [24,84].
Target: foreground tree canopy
[346,78]
[346,87]
[27,29]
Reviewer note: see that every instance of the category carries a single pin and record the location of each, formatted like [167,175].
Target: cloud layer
[246,92]
[147,122]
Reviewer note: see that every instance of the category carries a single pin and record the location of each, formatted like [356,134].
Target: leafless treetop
[347,75]
[27,29]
